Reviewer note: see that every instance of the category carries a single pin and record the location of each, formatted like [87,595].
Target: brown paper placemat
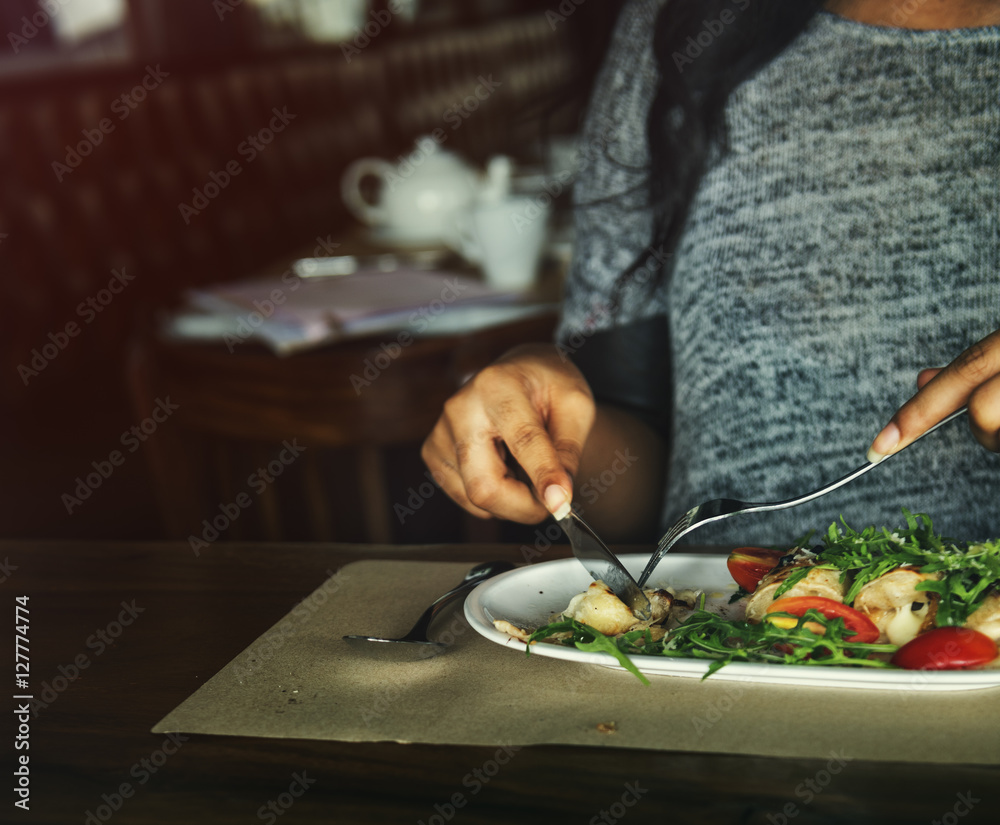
[300,680]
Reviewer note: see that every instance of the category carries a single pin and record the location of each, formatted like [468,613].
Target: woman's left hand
[972,379]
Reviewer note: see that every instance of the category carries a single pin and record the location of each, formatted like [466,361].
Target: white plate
[528,596]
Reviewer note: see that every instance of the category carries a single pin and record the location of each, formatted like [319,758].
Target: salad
[878,598]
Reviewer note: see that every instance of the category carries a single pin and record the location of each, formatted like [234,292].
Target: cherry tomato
[748,565]
[946,648]
[863,627]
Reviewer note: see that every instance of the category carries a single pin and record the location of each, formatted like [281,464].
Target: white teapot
[419,196]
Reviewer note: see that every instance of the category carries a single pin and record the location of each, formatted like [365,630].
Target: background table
[200,612]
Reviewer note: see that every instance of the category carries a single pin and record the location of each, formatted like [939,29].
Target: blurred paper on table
[290,313]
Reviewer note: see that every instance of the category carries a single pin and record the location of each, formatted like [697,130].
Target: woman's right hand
[532,402]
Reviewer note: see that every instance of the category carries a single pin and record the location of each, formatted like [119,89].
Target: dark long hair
[704,49]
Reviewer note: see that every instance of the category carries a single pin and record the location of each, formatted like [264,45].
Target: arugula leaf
[967,572]
[704,635]
[593,641]
[792,579]
[605,644]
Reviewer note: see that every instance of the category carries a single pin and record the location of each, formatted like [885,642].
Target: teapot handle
[350,188]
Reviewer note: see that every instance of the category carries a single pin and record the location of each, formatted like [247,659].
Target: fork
[723,508]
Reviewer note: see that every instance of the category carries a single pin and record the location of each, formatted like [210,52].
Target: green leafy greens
[967,571]
[967,574]
[704,635]
[587,639]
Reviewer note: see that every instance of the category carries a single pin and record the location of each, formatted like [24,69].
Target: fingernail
[556,501]
[885,442]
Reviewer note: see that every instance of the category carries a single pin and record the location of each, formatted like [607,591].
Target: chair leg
[375,496]
[318,505]
[270,515]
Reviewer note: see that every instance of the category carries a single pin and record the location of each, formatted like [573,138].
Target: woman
[793,215]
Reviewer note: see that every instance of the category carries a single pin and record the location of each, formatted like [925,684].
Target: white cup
[506,238]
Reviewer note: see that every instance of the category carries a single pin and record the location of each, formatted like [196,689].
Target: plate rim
[477,615]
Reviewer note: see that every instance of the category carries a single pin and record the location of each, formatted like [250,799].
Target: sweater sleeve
[625,354]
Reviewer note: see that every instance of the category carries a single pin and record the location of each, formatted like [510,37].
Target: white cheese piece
[906,624]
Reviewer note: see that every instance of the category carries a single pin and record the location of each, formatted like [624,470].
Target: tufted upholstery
[68,221]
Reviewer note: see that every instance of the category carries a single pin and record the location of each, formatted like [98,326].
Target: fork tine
[664,545]
[669,539]
[682,524]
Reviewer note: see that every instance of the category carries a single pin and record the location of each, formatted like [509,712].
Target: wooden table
[93,759]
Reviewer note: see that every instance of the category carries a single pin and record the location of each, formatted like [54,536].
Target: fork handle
[840,482]
[476,576]
[750,507]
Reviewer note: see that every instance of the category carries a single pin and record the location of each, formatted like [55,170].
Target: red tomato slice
[946,648]
[864,629]
[748,565]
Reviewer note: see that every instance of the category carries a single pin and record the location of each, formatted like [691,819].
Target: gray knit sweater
[847,239]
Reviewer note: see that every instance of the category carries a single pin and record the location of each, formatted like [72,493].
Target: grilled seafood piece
[603,611]
[606,613]
[896,607]
[986,617]
[819,581]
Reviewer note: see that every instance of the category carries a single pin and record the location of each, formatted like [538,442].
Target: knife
[601,563]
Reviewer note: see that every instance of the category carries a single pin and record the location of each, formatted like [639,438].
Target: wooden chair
[346,452]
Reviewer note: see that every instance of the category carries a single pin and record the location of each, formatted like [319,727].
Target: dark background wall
[101,143]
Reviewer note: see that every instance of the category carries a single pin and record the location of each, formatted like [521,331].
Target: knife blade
[601,563]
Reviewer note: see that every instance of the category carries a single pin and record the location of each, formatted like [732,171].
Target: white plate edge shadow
[481,608]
